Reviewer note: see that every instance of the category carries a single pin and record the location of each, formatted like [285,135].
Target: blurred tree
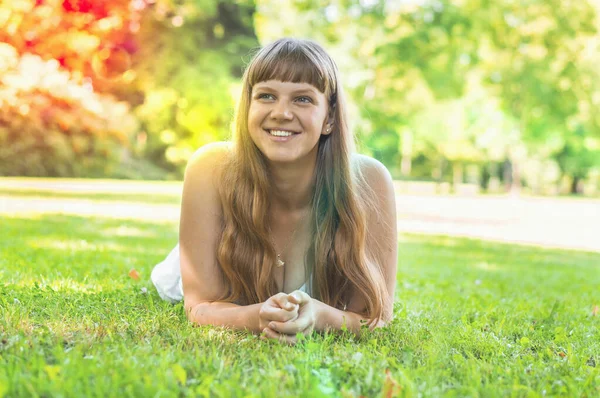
[190,94]
[51,125]
[531,54]
[443,128]
[535,57]
[448,44]
[176,62]
[90,39]
[578,155]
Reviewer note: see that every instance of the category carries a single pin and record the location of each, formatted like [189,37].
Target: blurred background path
[549,222]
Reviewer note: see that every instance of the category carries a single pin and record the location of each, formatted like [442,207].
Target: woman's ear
[329,126]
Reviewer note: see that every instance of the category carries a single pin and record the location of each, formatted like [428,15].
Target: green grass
[155,198]
[471,319]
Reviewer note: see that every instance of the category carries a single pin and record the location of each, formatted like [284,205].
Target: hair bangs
[289,62]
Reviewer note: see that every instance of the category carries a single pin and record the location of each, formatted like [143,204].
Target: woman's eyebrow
[300,91]
[304,90]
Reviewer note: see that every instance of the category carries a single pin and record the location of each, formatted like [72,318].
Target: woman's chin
[280,158]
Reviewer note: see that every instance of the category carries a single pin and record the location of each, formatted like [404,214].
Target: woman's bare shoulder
[210,154]
[207,162]
[203,170]
[375,174]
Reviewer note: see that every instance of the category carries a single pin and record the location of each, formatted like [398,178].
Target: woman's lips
[281,138]
[283,130]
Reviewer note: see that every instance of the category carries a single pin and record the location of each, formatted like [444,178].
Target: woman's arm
[220,313]
[331,319]
[199,227]
[382,230]
[254,317]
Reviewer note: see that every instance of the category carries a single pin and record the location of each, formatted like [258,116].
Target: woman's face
[280,108]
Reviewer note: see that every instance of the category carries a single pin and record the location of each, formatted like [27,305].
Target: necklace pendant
[279,262]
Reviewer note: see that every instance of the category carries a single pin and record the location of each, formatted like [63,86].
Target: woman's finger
[289,328]
[273,335]
[284,302]
[275,314]
[296,297]
[270,333]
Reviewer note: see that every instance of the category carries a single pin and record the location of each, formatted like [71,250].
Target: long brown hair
[337,259]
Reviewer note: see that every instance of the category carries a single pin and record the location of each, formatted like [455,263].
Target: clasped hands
[283,316]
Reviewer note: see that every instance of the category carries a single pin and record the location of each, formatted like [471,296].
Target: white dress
[166,277]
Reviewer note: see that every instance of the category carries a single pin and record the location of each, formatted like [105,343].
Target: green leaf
[179,373]
[3,388]
[52,371]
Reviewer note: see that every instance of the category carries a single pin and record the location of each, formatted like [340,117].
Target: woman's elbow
[191,310]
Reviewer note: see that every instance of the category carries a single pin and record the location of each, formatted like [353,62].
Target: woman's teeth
[279,133]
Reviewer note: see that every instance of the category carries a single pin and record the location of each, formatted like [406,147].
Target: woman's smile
[281,135]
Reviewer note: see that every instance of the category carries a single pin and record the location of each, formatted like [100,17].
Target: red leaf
[133,274]
[391,388]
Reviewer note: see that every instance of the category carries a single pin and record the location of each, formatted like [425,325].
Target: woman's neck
[292,186]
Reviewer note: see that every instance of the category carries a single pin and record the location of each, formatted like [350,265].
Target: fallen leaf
[595,310]
[562,354]
[133,274]
[391,388]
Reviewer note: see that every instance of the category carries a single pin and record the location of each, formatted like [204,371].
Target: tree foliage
[51,125]
[469,81]
[175,62]
[190,93]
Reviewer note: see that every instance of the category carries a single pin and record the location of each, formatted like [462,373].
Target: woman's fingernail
[272,326]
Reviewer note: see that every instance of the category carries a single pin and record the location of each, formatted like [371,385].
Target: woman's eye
[306,100]
[303,99]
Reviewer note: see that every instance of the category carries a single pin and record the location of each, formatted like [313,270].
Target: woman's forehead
[278,85]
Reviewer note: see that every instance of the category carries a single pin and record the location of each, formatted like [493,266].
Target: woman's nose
[281,110]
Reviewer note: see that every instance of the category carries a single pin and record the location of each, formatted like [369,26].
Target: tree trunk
[437,174]
[515,187]
[457,175]
[576,188]
[405,165]
[486,175]
[406,150]
[507,175]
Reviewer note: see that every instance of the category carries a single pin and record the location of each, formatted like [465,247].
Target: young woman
[285,230]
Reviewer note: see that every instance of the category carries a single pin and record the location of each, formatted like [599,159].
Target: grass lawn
[471,319]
